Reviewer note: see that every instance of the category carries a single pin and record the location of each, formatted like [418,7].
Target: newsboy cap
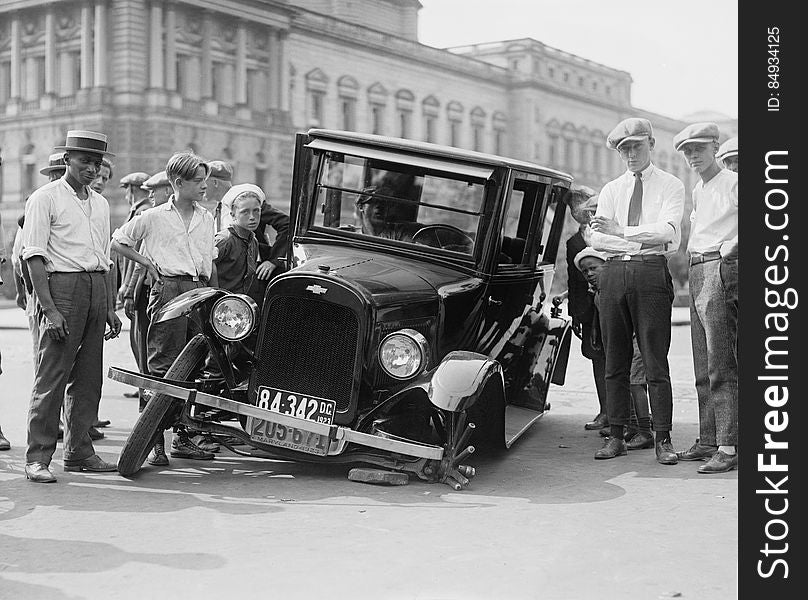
[220,169]
[135,179]
[697,132]
[56,162]
[629,130]
[156,181]
[85,141]
[728,149]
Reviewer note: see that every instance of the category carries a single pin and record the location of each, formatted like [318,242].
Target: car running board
[517,421]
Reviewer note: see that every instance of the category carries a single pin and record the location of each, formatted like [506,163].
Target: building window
[347,89]
[260,169]
[566,77]
[500,124]
[551,72]
[454,112]
[348,113]
[429,128]
[404,120]
[477,128]
[316,101]
[454,133]
[499,137]
[377,119]
[430,108]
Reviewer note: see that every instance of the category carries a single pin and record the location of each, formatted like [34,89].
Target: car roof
[436,150]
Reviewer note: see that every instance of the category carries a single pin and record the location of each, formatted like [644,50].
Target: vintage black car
[412,326]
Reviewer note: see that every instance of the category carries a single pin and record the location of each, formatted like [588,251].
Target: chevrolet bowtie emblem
[316,289]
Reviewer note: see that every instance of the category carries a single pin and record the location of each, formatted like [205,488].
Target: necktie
[251,259]
[635,206]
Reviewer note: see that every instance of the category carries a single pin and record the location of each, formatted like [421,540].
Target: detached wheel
[150,422]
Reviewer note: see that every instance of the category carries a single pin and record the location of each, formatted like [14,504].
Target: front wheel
[189,362]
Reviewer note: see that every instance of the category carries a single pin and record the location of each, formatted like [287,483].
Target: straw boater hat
[86,141]
[56,162]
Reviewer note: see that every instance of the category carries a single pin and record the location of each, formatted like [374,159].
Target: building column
[50,52]
[100,41]
[207,57]
[241,64]
[282,90]
[16,58]
[86,46]
[273,72]
[171,47]
[156,46]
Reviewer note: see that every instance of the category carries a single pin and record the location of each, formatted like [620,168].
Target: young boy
[638,434]
[178,252]
[237,245]
[713,283]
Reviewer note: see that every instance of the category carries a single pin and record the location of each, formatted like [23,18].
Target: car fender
[183,304]
[460,379]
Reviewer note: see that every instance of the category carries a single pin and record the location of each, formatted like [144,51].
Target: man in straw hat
[66,246]
[56,166]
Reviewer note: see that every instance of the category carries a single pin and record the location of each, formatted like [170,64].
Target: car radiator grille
[309,346]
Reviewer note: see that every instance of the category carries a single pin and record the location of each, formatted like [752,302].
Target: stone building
[234,79]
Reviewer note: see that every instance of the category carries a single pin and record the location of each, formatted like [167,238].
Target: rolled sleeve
[130,233]
[36,229]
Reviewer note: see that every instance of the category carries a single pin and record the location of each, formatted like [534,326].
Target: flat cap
[157,180]
[220,169]
[136,179]
[697,132]
[629,130]
[728,149]
[590,252]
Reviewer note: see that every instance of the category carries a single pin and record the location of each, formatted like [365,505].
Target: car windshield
[405,203]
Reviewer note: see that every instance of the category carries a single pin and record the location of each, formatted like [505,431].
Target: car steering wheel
[446,237]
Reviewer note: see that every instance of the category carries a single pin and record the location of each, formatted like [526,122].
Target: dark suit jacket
[276,252]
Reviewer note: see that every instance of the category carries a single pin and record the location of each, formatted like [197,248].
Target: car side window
[525,197]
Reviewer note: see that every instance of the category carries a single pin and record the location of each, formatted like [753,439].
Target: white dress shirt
[173,248]
[70,234]
[714,219]
[660,228]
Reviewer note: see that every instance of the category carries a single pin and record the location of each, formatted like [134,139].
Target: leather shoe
[665,453]
[158,456]
[640,441]
[39,473]
[100,423]
[95,434]
[611,448]
[597,423]
[605,432]
[91,464]
[697,451]
[4,443]
[720,462]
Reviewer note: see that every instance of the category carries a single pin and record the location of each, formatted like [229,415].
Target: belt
[696,259]
[77,272]
[183,277]
[638,257]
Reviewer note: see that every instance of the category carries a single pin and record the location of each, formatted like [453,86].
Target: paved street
[543,521]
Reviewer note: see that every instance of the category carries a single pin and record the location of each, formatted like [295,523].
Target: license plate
[318,410]
[284,436]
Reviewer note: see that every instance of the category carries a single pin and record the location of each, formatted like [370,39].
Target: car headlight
[404,353]
[233,317]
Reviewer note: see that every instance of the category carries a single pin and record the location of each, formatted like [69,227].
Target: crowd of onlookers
[620,293]
[73,273]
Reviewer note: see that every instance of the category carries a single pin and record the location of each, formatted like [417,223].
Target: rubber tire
[139,443]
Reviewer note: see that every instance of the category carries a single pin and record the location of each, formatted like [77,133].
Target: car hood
[387,279]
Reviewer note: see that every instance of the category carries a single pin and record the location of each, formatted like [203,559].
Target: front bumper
[187,392]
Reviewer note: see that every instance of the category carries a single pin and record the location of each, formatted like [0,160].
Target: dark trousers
[167,339]
[69,371]
[139,330]
[636,297]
